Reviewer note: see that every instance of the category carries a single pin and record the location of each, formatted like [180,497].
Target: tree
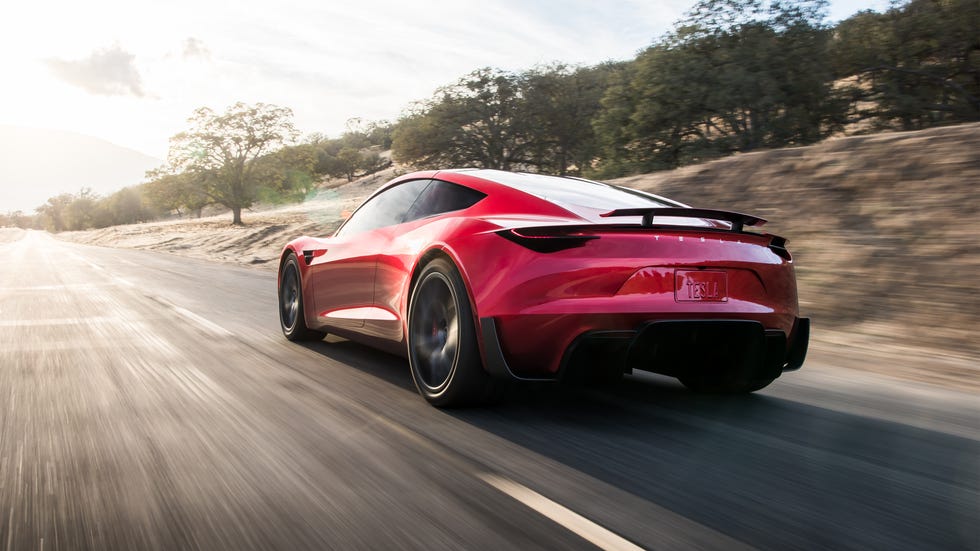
[166,192]
[916,65]
[348,161]
[559,104]
[82,211]
[733,75]
[17,219]
[53,212]
[288,174]
[372,161]
[124,207]
[424,138]
[220,150]
[474,122]
[70,212]
[612,124]
[379,134]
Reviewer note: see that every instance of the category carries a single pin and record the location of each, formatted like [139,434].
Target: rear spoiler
[736,219]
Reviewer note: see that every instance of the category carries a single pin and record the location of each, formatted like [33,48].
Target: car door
[342,279]
[401,244]
[342,273]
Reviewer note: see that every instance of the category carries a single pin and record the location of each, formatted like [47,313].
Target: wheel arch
[295,248]
[286,251]
[432,253]
[440,251]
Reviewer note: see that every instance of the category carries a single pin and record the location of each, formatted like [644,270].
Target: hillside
[883,228]
[37,164]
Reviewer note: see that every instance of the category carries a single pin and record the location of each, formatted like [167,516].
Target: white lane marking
[574,522]
[46,288]
[102,269]
[123,282]
[89,262]
[203,323]
[59,321]
[145,343]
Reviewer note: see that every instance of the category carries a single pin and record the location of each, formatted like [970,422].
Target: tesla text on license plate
[700,286]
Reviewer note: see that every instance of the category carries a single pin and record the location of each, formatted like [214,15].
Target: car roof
[572,193]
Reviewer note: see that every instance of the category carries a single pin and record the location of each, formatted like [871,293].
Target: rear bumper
[710,348]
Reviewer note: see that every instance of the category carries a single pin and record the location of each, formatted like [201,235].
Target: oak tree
[219,149]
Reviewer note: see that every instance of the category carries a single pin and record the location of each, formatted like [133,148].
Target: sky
[132,71]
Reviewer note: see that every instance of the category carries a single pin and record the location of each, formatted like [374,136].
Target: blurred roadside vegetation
[732,76]
[231,161]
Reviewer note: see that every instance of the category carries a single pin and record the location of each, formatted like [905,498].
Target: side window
[385,209]
[442,197]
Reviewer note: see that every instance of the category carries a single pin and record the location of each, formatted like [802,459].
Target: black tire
[708,386]
[292,317]
[443,351]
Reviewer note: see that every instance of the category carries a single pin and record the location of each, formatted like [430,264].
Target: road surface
[148,401]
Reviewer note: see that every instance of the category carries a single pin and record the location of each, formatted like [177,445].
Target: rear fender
[445,251]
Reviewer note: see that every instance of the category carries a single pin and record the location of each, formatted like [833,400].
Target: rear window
[580,193]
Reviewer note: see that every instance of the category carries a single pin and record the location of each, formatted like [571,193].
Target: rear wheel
[709,386]
[292,317]
[443,351]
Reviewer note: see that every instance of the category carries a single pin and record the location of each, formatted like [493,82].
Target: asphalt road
[148,401]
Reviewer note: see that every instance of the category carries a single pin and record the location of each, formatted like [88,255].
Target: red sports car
[482,276]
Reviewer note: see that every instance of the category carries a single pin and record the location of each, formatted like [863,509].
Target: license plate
[700,285]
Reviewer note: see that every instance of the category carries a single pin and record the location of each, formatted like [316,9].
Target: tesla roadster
[483,276]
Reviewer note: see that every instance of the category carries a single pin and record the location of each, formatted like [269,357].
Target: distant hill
[36,164]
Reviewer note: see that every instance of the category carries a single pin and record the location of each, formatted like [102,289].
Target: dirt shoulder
[10,234]
[256,243]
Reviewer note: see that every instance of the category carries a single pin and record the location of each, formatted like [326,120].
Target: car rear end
[569,274]
[681,300]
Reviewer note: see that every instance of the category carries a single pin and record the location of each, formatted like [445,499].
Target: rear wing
[736,219]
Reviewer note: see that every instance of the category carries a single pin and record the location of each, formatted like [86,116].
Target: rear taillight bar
[546,240]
